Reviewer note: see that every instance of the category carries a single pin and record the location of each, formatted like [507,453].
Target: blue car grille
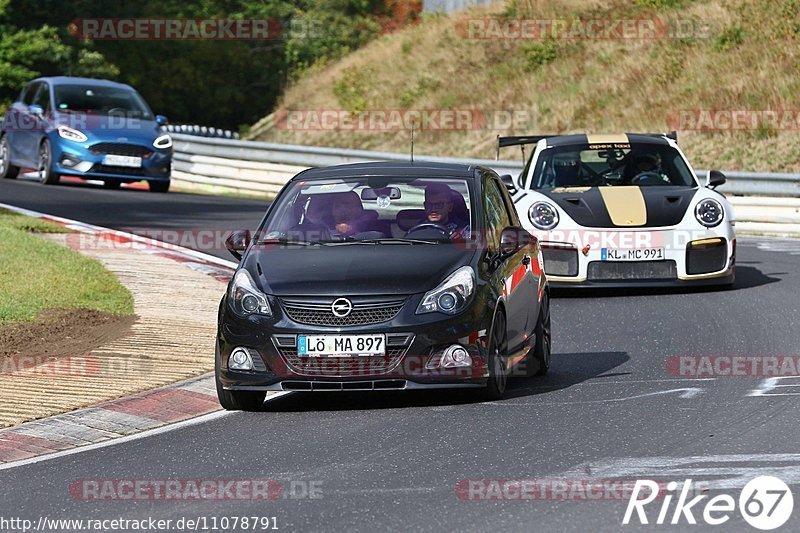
[133,150]
[122,171]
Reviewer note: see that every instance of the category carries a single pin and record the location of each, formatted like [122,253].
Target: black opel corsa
[382,276]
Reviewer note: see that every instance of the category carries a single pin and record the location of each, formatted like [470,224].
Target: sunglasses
[436,205]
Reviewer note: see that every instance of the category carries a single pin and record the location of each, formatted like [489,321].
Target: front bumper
[411,343]
[690,258]
[79,160]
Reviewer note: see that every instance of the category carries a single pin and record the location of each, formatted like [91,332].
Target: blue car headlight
[162,142]
[71,134]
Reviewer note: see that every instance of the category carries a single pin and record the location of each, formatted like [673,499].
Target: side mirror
[161,120]
[715,178]
[237,242]
[36,110]
[514,238]
[508,181]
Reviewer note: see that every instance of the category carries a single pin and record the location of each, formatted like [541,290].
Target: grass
[720,55]
[36,275]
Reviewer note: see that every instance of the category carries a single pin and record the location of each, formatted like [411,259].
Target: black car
[383,276]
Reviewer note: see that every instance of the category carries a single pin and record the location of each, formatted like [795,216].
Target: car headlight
[709,213]
[245,299]
[71,134]
[163,141]
[543,215]
[452,296]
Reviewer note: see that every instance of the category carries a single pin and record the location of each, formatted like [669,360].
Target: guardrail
[263,168]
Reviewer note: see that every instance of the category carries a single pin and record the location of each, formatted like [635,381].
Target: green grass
[36,274]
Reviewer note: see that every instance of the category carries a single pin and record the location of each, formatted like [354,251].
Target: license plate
[641,254]
[340,345]
[122,161]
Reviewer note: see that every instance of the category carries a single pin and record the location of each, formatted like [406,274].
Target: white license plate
[641,254]
[340,345]
[122,161]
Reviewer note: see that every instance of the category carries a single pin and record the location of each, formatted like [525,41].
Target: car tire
[158,186]
[496,384]
[7,170]
[236,400]
[542,351]
[112,184]
[46,174]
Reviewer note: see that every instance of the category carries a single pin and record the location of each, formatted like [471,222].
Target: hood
[356,269]
[623,206]
[111,129]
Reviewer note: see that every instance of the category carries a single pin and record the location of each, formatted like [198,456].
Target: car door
[39,120]
[530,261]
[19,123]
[509,269]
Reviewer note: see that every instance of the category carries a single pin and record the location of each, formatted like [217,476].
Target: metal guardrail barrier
[263,168]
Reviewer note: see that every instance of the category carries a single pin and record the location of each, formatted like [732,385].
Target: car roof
[582,138]
[399,169]
[74,80]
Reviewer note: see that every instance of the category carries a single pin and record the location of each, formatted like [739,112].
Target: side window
[28,93]
[511,211]
[495,212]
[42,98]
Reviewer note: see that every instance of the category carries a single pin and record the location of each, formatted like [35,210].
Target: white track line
[76,224]
[129,438]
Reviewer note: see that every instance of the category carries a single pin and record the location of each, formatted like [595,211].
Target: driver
[647,163]
[439,209]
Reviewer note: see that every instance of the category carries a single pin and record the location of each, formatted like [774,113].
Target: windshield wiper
[289,241]
[399,241]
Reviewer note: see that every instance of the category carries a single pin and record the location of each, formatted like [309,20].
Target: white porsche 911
[621,210]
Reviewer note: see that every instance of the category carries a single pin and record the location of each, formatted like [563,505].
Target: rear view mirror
[237,243]
[393,193]
[514,238]
[715,178]
[161,120]
[37,110]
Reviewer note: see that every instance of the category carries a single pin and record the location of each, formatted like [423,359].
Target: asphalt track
[609,409]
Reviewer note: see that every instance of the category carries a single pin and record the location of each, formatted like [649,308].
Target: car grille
[133,150]
[319,313]
[396,347]
[122,171]
[634,270]
[704,258]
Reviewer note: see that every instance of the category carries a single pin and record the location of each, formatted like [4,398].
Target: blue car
[91,129]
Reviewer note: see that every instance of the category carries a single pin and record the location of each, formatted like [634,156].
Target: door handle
[526,260]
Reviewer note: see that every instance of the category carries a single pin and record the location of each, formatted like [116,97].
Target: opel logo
[342,307]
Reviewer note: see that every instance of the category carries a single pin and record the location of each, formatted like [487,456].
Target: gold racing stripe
[625,205]
[621,138]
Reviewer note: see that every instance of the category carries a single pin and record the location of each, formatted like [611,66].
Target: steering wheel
[647,176]
[430,226]
[116,111]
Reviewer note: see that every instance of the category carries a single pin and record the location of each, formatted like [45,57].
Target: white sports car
[612,210]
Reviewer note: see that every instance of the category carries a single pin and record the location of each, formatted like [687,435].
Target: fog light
[453,357]
[240,359]
[68,161]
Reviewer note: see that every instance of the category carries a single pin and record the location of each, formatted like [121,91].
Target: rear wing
[523,140]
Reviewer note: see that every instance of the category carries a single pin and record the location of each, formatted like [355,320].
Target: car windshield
[372,210]
[98,100]
[643,164]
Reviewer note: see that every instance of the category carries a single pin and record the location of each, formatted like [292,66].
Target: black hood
[664,205]
[355,269]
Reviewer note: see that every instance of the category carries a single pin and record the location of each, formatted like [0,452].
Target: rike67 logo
[766,503]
